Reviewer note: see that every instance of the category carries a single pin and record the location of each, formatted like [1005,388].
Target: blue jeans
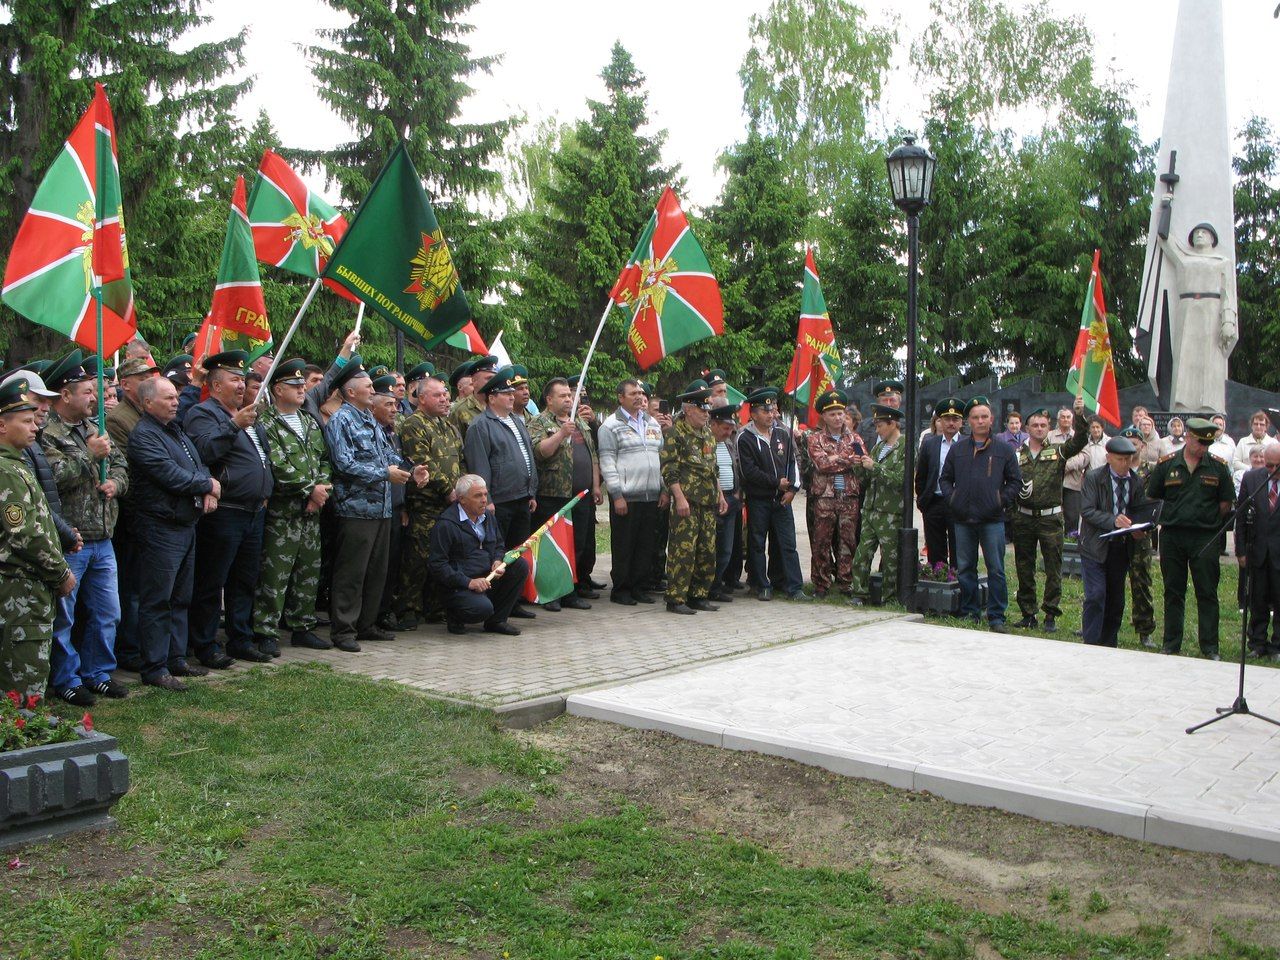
[726,527]
[990,537]
[94,567]
[774,520]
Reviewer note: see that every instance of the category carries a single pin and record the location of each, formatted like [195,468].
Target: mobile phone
[664,407]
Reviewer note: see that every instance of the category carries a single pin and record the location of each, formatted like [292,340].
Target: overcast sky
[690,52]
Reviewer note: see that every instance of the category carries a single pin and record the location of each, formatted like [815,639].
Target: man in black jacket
[465,549]
[229,541]
[1258,549]
[979,480]
[939,531]
[171,490]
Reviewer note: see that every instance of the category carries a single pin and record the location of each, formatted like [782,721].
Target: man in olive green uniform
[429,437]
[1037,516]
[1142,551]
[1197,491]
[33,572]
[481,371]
[689,471]
[291,565]
[880,473]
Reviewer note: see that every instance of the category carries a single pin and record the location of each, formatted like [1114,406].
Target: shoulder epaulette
[1168,456]
[1214,456]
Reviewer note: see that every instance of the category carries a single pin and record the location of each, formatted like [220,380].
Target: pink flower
[16,864]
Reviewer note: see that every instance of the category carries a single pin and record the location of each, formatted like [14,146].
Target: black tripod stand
[1241,706]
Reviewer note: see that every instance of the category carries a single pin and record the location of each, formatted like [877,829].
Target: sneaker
[78,696]
[110,688]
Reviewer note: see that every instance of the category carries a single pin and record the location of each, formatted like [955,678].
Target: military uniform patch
[13,515]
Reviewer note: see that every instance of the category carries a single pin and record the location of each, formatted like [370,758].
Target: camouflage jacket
[121,419]
[360,454]
[1042,476]
[464,411]
[830,457]
[555,473]
[299,464]
[437,442]
[689,459]
[883,482]
[76,473]
[31,561]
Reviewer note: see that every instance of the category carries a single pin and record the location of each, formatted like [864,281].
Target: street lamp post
[911,170]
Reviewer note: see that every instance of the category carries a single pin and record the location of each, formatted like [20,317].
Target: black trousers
[361,551]
[631,539]
[399,537]
[584,534]
[732,575]
[492,606]
[164,594]
[1104,585]
[1071,508]
[129,562]
[228,561]
[939,533]
[658,557]
[515,522]
[1264,609]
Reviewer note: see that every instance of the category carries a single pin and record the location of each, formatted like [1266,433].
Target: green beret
[762,397]
[831,400]
[884,414]
[291,372]
[948,407]
[188,341]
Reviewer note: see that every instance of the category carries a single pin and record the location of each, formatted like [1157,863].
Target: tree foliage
[1257,202]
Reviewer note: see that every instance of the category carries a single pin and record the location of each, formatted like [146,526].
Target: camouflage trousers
[415,596]
[1028,534]
[1143,612]
[879,530]
[691,554]
[290,575]
[26,634]
[833,540]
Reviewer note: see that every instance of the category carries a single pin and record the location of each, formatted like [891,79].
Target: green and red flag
[553,566]
[1093,374]
[293,228]
[237,318]
[71,245]
[468,339]
[394,258]
[815,366]
[668,286]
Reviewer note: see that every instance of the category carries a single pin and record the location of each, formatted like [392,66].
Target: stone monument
[1187,324]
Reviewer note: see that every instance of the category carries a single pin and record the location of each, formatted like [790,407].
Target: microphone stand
[1240,707]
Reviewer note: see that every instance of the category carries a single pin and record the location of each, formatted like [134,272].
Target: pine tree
[1257,202]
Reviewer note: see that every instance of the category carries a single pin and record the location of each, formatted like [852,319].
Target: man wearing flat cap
[770,481]
[880,473]
[1109,497]
[835,452]
[468,407]
[1197,492]
[33,571]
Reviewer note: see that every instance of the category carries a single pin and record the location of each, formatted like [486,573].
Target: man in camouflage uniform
[1037,516]
[466,409]
[689,472]
[291,564]
[76,453]
[834,451]
[880,474]
[1143,612]
[33,571]
[428,437]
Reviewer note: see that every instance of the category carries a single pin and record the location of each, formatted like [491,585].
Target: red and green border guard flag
[816,366]
[1093,374]
[468,339]
[237,317]
[71,243]
[668,287]
[553,566]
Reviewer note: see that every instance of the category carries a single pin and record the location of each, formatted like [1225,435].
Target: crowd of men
[230,507]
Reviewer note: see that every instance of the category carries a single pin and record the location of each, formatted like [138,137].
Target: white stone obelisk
[1187,321]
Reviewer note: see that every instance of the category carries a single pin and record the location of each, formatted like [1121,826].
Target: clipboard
[1144,517]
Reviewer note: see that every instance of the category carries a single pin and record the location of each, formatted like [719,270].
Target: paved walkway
[1054,730]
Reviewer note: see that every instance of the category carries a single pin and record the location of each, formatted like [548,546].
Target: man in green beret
[1197,491]
[880,473]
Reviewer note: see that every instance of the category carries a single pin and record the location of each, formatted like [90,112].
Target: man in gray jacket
[630,445]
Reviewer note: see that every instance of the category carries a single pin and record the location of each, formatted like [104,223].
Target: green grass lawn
[304,813]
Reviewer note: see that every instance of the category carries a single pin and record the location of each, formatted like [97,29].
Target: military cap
[500,382]
[885,414]
[978,401]
[384,384]
[1132,432]
[714,377]
[831,400]
[697,393]
[884,387]
[38,366]
[647,387]
[423,370]
[232,360]
[762,397]
[65,371]
[13,395]
[1041,412]
[137,365]
[519,374]
[189,341]
[1121,444]
[1203,226]
[353,370]
[108,373]
[464,369]
[181,364]
[91,362]
[35,384]
[1202,429]
[378,370]
[573,381]
[488,362]
[291,372]
[728,411]
[948,407]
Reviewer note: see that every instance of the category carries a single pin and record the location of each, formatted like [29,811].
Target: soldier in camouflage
[834,451]
[1143,612]
[1037,515]
[466,409]
[880,473]
[428,437]
[33,571]
[290,579]
[689,471]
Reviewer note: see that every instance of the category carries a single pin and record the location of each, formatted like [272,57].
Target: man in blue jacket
[979,480]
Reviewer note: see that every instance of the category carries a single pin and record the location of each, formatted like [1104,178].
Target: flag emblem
[309,231]
[435,278]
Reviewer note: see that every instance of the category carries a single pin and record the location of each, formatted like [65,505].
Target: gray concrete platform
[1057,731]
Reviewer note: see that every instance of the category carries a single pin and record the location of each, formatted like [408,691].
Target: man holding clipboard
[1114,511]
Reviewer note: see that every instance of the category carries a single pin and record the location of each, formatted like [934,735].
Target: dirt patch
[916,844]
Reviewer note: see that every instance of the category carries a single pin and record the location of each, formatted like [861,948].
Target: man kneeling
[465,549]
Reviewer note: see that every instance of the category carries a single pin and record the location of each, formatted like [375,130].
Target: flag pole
[582,377]
[360,317]
[275,360]
[102,400]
